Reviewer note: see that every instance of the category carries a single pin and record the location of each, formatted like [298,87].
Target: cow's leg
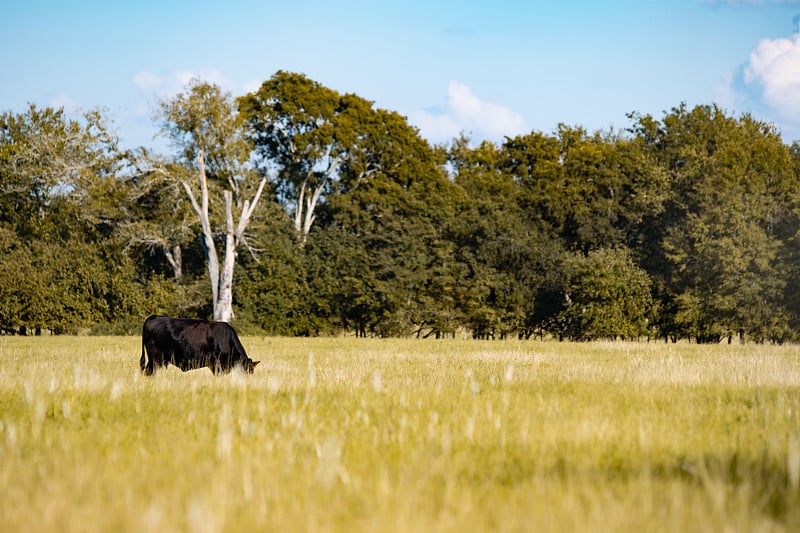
[216,365]
[154,359]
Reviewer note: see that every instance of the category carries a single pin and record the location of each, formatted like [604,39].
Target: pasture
[348,435]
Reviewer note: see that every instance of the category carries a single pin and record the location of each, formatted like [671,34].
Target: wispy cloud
[170,84]
[69,104]
[736,3]
[465,112]
[251,86]
[153,86]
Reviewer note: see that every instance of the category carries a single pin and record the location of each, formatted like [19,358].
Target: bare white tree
[221,279]
[311,188]
[204,122]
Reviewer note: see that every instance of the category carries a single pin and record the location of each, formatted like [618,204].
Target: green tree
[728,215]
[61,262]
[272,293]
[608,296]
[292,122]
[495,243]
[396,201]
[156,215]
[50,163]
[341,278]
[789,253]
[594,191]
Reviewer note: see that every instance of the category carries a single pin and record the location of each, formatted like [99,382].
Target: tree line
[299,210]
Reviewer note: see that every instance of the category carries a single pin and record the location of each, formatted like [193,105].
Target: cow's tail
[143,359]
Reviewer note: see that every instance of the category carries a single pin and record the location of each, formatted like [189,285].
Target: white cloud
[773,71]
[465,112]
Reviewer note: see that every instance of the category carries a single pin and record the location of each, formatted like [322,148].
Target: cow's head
[250,365]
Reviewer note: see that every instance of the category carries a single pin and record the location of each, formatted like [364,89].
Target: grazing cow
[189,344]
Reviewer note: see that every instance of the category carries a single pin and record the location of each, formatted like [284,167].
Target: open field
[401,435]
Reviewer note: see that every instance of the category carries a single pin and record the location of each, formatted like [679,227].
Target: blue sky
[488,68]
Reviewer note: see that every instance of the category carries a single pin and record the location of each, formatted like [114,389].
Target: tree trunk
[298,212]
[208,237]
[223,306]
[175,259]
[307,201]
[221,282]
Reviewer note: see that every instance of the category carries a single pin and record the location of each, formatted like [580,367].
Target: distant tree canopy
[683,226]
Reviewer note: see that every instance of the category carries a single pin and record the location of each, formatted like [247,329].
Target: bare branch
[192,199]
[203,183]
[251,249]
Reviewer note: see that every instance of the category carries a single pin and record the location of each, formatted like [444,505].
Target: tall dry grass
[401,435]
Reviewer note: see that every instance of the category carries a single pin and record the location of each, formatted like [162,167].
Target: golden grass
[401,435]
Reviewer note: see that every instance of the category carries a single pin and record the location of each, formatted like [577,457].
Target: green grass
[401,435]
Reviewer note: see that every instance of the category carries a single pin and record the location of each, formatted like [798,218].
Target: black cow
[189,344]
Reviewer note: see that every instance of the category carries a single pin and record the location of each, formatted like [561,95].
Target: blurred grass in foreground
[401,435]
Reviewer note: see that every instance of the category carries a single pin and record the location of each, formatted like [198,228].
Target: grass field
[401,435]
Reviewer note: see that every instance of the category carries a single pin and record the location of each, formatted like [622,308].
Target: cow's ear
[255,363]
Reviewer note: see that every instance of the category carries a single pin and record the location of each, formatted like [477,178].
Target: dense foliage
[680,227]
